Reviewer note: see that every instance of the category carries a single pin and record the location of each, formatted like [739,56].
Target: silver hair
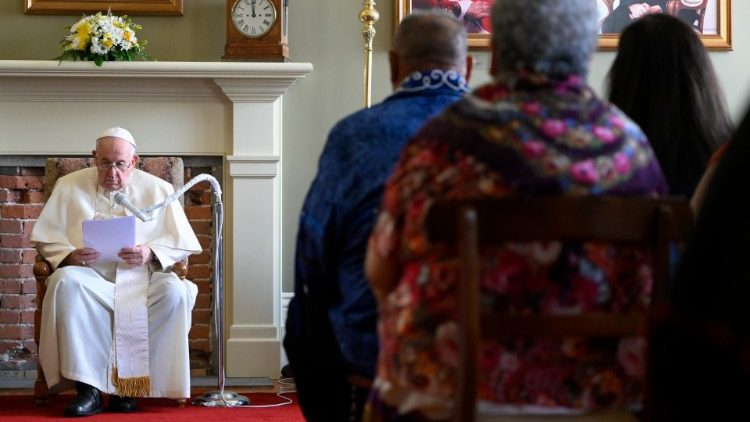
[431,36]
[553,37]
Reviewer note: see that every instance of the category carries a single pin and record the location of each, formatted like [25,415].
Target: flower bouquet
[100,38]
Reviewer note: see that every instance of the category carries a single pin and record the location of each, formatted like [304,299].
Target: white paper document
[109,236]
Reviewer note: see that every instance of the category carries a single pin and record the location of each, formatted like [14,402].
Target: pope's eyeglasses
[120,165]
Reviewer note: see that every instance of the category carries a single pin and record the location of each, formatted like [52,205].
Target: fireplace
[230,112]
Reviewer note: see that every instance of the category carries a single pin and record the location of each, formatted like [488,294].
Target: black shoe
[88,401]
[122,404]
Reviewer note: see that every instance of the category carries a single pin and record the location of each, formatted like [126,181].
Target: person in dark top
[700,362]
[331,324]
[663,79]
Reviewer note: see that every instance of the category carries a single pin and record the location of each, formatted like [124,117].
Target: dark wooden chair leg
[41,392]
[41,272]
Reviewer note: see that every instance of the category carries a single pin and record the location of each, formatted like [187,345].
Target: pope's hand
[139,255]
[84,257]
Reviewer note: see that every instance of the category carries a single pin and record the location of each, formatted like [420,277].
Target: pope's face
[115,161]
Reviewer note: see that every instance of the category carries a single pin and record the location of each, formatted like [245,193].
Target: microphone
[123,200]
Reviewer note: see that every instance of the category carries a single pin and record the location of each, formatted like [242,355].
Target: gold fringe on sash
[131,387]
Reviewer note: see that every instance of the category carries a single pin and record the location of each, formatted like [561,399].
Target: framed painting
[126,7]
[711,18]
[474,13]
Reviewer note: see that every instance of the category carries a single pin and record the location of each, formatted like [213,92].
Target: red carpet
[22,408]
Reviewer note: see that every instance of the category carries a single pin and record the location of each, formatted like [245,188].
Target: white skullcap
[118,132]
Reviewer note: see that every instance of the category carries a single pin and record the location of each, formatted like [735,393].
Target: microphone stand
[220,397]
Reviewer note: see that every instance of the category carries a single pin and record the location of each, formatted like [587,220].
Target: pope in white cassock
[119,328]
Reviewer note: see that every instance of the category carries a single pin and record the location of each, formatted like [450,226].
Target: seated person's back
[700,369]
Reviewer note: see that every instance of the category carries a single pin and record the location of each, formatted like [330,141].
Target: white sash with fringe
[130,374]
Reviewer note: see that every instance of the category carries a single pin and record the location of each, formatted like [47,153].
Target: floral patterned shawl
[527,135]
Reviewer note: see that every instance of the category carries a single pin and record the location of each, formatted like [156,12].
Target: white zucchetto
[118,132]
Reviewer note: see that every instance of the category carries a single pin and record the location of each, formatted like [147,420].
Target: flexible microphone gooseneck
[148,214]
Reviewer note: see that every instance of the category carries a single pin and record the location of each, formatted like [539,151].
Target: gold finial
[368,16]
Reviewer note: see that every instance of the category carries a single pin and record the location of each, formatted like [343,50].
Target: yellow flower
[82,34]
[83,40]
[84,27]
[107,40]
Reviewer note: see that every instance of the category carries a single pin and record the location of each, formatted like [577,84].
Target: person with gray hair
[330,335]
[522,38]
[536,129]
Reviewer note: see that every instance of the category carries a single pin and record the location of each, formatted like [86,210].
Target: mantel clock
[256,30]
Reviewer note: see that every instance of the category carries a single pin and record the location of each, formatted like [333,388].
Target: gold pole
[368,16]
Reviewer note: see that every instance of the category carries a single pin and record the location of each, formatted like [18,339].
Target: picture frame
[126,7]
[717,24]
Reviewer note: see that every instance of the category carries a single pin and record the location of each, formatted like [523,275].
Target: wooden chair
[169,169]
[476,224]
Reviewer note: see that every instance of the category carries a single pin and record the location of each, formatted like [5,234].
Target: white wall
[330,39]
[326,33]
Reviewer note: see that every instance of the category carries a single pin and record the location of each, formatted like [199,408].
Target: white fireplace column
[253,314]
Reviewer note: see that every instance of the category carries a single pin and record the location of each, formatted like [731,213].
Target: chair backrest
[491,222]
[169,169]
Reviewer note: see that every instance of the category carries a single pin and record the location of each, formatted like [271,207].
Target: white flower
[97,48]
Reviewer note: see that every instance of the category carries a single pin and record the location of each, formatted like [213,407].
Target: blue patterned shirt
[340,208]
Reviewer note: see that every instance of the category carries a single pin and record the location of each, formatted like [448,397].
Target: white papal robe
[77,313]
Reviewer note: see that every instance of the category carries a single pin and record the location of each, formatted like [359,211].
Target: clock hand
[252,5]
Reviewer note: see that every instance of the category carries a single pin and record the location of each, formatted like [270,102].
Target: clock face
[253,18]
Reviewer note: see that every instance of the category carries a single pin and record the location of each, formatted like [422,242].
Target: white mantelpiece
[232,110]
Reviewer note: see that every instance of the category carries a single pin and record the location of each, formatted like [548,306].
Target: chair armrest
[180,268]
[42,269]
